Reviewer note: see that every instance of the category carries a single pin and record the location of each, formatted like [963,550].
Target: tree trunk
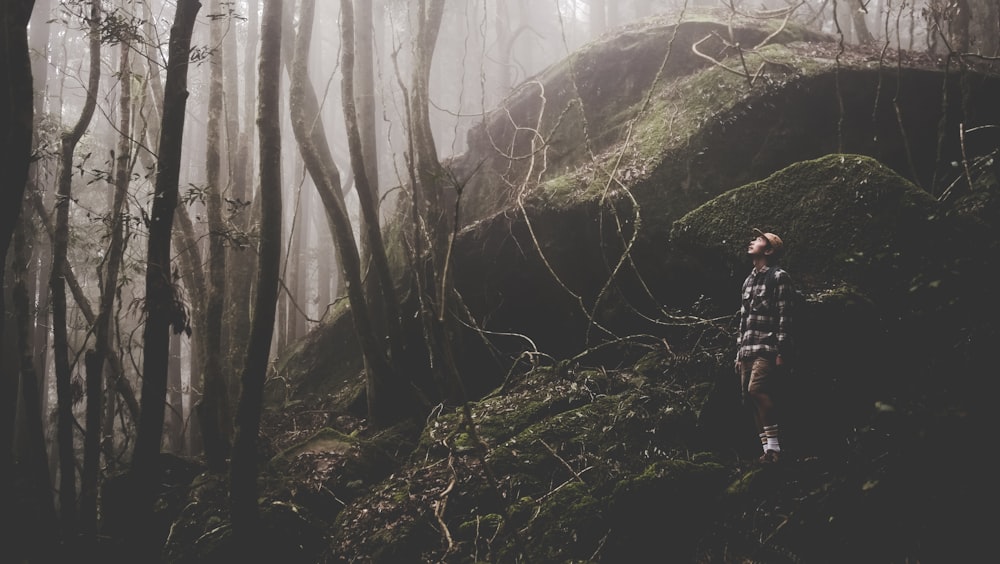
[861,32]
[120,384]
[162,307]
[193,276]
[391,394]
[428,178]
[60,339]
[958,26]
[240,265]
[298,282]
[613,18]
[175,398]
[322,169]
[15,122]
[15,152]
[184,238]
[43,522]
[39,49]
[243,472]
[214,414]
[364,98]
[326,274]
[95,358]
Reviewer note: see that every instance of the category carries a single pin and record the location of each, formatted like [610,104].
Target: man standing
[764,340]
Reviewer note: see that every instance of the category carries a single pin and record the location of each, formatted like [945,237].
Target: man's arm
[784,295]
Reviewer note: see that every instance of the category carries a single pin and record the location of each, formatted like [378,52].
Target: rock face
[572,187]
[571,247]
[605,214]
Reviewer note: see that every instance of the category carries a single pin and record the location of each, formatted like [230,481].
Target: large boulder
[565,247]
[886,271]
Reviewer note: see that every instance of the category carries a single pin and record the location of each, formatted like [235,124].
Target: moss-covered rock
[604,278]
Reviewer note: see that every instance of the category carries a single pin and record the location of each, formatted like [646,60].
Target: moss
[831,208]
[323,440]
[569,526]
[584,455]
[481,526]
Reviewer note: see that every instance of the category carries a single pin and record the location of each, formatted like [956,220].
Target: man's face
[758,247]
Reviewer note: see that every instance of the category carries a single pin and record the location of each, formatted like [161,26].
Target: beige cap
[773,240]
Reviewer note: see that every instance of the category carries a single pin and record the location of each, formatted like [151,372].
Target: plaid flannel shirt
[765,314]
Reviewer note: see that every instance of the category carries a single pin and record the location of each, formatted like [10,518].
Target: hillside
[600,268]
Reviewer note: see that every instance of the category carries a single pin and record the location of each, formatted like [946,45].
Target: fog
[481,52]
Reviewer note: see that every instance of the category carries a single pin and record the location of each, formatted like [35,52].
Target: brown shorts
[757,375]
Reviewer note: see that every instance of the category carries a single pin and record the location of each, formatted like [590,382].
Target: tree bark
[186,241]
[959,26]
[214,414]
[322,169]
[95,358]
[120,384]
[431,220]
[387,398]
[243,471]
[15,151]
[44,521]
[240,263]
[39,49]
[183,238]
[175,398]
[364,99]
[60,337]
[15,121]
[162,308]
[861,32]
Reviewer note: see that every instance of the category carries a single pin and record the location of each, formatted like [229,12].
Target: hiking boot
[770,457]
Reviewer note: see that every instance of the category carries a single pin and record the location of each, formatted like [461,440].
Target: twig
[564,463]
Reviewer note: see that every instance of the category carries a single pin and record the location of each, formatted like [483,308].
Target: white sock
[771,433]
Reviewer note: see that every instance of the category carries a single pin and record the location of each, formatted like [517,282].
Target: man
[764,340]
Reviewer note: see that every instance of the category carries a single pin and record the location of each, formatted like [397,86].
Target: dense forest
[195,192]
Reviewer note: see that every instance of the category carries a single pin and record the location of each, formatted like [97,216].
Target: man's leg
[749,402]
[762,376]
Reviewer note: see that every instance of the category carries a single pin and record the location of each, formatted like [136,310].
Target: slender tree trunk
[213,411]
[298,281]
[175,398]
[385,304]
[431,220]
[613,18]
[239,262]
[67,458]
[121,384]
[861,32]
[363,72]
[325,273]
[958,27]
[95,358]
[184,237]
[196,285]
[322,169]
[243,478]
[43,523]
[39,49]
[162,308]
